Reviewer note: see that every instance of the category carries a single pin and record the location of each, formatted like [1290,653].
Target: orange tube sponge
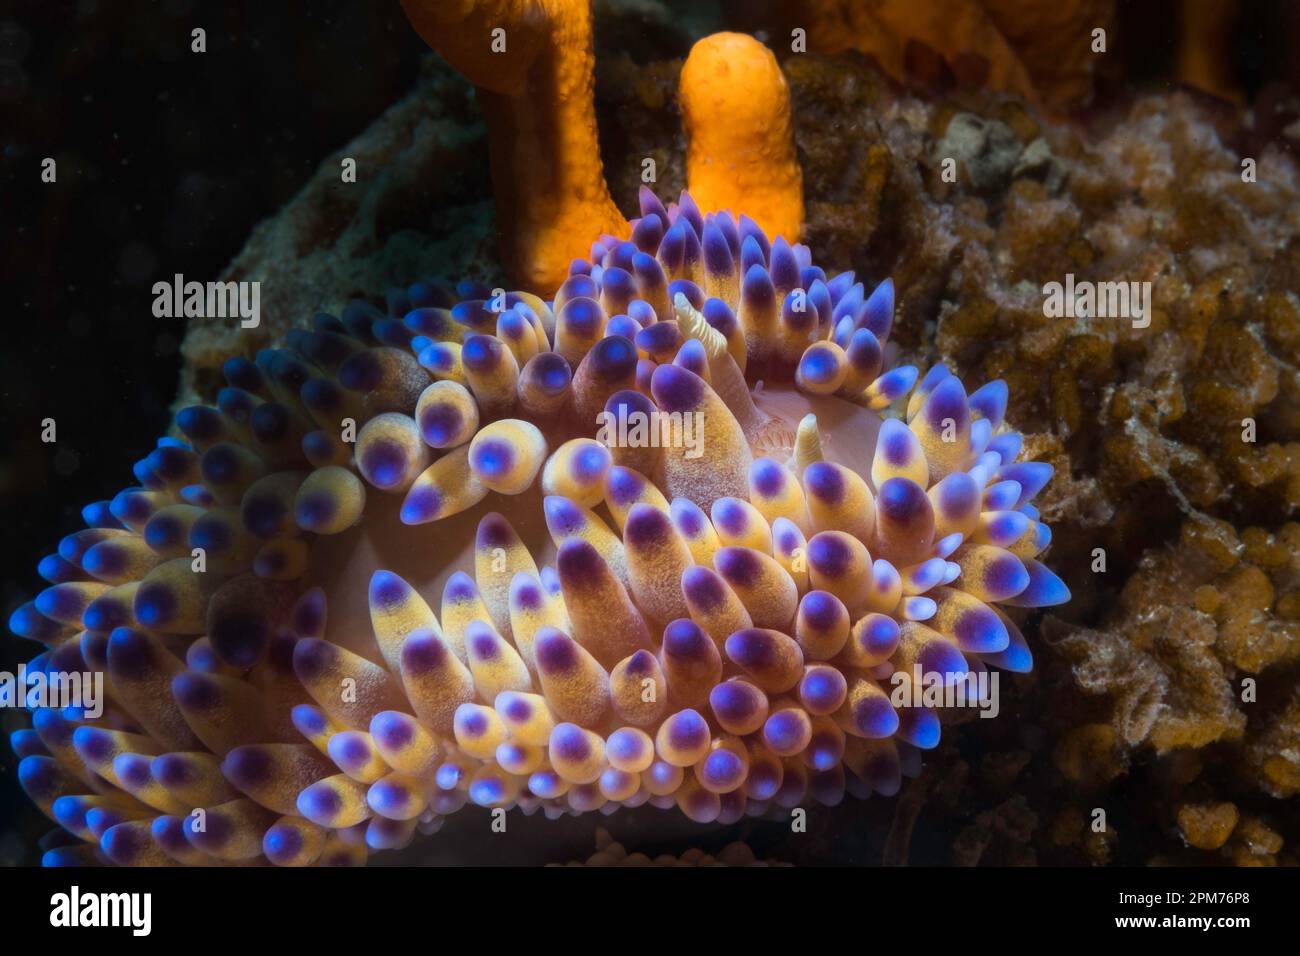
[1205,35]
[533,64]
[737,112]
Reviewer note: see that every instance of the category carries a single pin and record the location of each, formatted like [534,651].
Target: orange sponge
[533,64]
[737,112]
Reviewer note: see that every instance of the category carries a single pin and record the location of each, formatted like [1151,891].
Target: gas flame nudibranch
[679,536]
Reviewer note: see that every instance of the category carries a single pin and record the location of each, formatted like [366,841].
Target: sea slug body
[328,645]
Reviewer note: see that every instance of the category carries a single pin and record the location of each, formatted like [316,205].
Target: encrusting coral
[720,628]
[1040,52]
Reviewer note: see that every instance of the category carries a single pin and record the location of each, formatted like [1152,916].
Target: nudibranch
[393,571]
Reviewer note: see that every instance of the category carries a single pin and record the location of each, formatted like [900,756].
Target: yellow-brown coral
[1039,51]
